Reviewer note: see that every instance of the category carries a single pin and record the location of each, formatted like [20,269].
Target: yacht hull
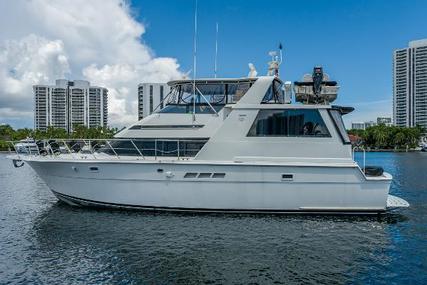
[235,187]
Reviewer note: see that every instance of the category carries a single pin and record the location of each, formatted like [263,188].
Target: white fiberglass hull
[243,188]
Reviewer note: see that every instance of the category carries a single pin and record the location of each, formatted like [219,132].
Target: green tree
[389,137]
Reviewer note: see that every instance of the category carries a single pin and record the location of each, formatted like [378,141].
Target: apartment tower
[150,97]
[70,103]
[410,85]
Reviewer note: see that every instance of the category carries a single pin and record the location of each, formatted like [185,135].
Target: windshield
[214,93]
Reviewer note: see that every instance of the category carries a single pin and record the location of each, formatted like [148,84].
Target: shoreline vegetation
[7,133]
[383,138]
[380,138]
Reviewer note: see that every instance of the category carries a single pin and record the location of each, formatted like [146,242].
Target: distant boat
[27,146]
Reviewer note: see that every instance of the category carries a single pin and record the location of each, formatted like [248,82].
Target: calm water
[43,241]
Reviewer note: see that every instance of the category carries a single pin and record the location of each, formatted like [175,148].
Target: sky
[118,44]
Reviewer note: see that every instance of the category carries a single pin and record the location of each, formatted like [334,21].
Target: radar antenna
[276,61]
[216,51]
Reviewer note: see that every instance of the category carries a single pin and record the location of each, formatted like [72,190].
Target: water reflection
[123,247]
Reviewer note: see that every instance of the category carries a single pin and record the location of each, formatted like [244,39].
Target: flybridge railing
[98,148]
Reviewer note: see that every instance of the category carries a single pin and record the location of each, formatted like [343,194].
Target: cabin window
[158,127]
[235,91]
[289,123]
[153,147]
[199,108]
[339,125]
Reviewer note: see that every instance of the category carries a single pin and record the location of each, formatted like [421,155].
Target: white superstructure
[223,145]
[410,85]
[70,103]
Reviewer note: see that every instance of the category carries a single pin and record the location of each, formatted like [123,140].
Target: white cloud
[31,60]
[97,40]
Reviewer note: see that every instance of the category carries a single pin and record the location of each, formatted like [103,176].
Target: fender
[17,163]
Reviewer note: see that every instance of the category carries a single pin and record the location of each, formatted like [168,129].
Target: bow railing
[118,148]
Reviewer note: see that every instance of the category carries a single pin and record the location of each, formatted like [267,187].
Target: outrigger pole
[195,63]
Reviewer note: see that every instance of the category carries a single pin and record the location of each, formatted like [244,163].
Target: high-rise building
[410,85]
[358,125]
[150,97]
[384,121]
[370,124]
[70,103]
[362,125]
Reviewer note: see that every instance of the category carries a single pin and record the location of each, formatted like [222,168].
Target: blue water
[43,241]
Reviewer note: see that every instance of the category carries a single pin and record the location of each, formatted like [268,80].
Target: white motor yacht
[224,145]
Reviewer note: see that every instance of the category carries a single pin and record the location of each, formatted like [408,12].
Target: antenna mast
[195,63]
[216,50]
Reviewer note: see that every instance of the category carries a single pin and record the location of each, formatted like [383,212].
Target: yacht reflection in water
[144,247]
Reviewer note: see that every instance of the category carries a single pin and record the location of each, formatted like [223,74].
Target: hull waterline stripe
[213,180]
[91,203]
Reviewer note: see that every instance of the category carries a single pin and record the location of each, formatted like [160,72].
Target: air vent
[190,175]
[204,175]
[93,168]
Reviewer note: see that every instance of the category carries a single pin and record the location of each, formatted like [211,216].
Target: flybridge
[213,91]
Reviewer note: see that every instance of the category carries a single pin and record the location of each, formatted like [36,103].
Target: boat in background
[26,146]
[423,144]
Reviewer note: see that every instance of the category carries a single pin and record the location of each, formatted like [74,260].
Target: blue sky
[352,40]
[118,44]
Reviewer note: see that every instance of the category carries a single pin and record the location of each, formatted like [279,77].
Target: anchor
[17,163]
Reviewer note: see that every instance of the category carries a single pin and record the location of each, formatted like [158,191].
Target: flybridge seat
[316,88]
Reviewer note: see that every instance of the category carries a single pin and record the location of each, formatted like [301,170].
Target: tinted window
[291,122]
[213,92]
[235,91]
[188,109]
[339,124]
[151,147]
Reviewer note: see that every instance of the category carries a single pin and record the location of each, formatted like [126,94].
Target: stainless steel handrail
[97,146]
[364,154]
